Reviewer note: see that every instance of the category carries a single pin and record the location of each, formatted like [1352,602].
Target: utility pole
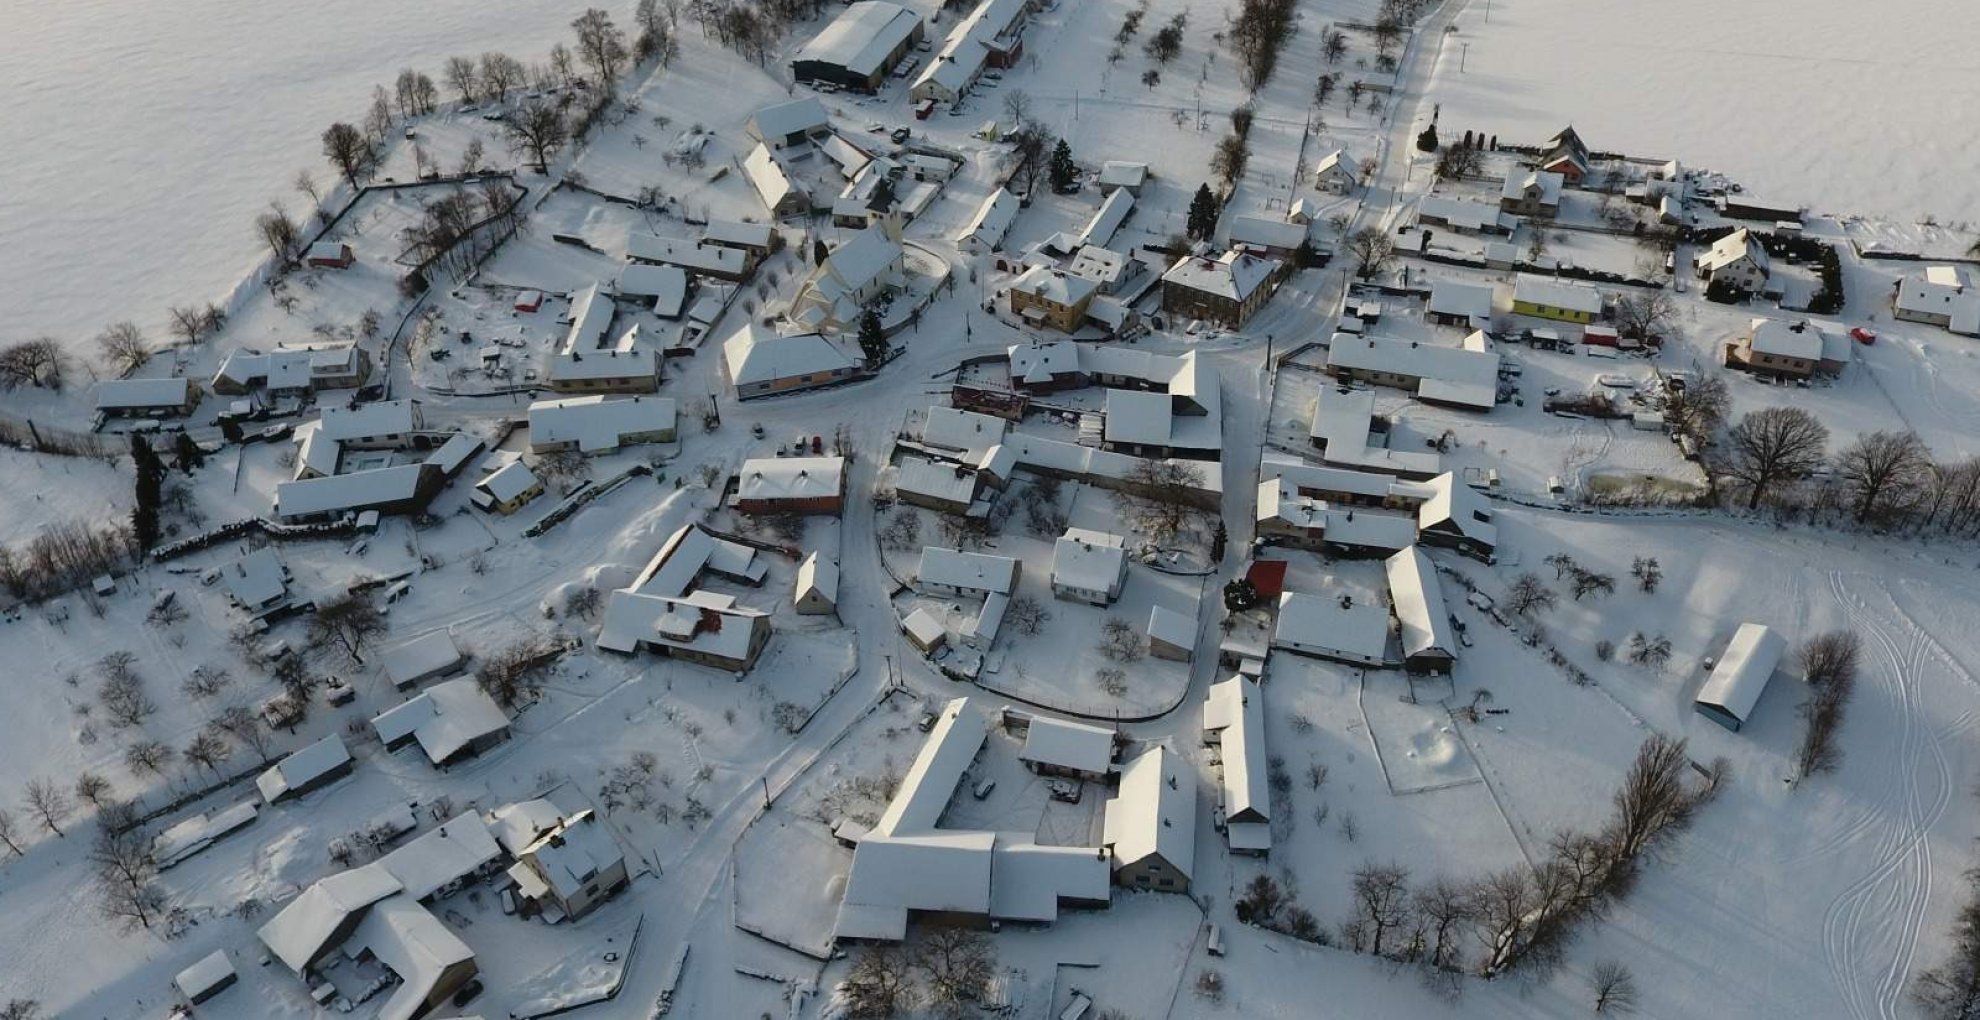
[766,791]
[1463,52]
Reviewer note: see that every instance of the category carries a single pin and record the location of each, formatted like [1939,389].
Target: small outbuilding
[209,977]
[306,771]
[329,255]
[1741,675]
[924,630]
[817,592]
[1171,635]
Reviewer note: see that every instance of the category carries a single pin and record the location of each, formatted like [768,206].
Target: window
[1167,883]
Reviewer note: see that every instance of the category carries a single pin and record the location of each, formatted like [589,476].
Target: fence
[227,532]
[577,502]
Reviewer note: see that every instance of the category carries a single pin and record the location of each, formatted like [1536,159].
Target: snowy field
[1804,99]
[159,128]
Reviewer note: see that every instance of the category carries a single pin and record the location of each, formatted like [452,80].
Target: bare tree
[347,149]
[1614,988]
[279,232]
[148,756]
[1443,909]
[1653,797]
[1646,314]
[1017,105]
[1381,907]
[1699,409]
[187,323]
[1372,251]
[601,45]
[348,624]
[40,363]
[463,78]
[208,750]
[93,789]
[10,832]
[46,802]
[1828,662]
[123,347]
[1160,497]
[880,984]
[561,64]
[1528,595]
[1882,473]
[1119,641]
[1026,614]
[538,129]
[957,965]
[500,74]
[1502,905]
[245,725]
[1589,582]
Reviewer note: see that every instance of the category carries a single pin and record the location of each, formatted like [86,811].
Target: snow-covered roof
[450,455]
[755,355]
[1938,290]
[1233,275]
[938,769]
[768,177]
[300,933]
[1369,529]
[820,575]
[935,480]
[992,218]
[1154,812]
[699,256]
[1088,560]
[953,428]
[1357,630]
[970,571]
[591,316]
[518,824]
[210,973]
[1418,596]
[328,250]
[1464,377]
[121,394]
[429,654]
[1112,213]
[456,849]
[862,37]
[444,718]
[1081,747]
[923,626]
[196,832]
[358,490]
[509,481]
[1028,880]
[962,57]
[278,370]
[596,364]
[1265,233]
[1462,213]
[1471,300]
[1784,339]
[1740,244]
[370,421]
[666,285]
[303,767]
[256,579]
[1455,506]
[596,423]
[738,233]
[1545,183]
[865,257]
[689,551]
[414,945]
[1327,480]
[1054,285]
[1101,265]
[775,123]
[573,853]
[791,478]
[1168,625]
[1235,713]
[1567,294]
[1742,673]
[1343,426]
[1336,164]
[1120,173]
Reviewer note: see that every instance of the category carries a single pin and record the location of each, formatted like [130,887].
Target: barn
[858,49]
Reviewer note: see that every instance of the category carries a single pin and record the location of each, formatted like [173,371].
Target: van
[983,789]
[1215,944]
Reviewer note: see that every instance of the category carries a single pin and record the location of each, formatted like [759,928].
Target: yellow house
[1559,300]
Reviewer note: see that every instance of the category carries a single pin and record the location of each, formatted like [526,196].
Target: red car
[1863,336]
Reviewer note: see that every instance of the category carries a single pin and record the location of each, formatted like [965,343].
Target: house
[1089,566]
[1416,597]
[701,258]
[953,574]
[451,721]
[1466,305]
[1333,627]
[1107,268]
[791,485]
[1051,297]
[856,273]
[1234,722]
[1337,173]
[760,362]
[663,288]
[210,976]
[596,424]
[325,914]
[1350,435]
[256,582]
[1171,635]
[860,47]
[992,220]
[660,611]
[329,255]
[923,630]
[567,866]
[1741,675]
[1060,747]
[293,372]
[1559,300]
[1275,239]
[1303,211]
[1779,348]
[779,192]
[908,866]
[1735,262]
[590,314]
[1464,216]
[990,36]
[507,489]
[786,125]
[1939,296]
[627,371]
[1565,154]
[1226,290]
[1117,173]
[305,771]
[1351,488]
[1465,377]
[942,486]
[1180,416]
[1107,220]
[1535,193]
[410,663]
[133,398]
[1150,823]
[400,489]
[1457,516]
[817,590]
[381,425]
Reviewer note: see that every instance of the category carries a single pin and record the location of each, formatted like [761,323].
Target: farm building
[1060,747]
[1741,675]
[993,218]
[306,771]
[400,489]
[1234,722]
[137,397]
[858,49]
[1417,600]
[329,255]
[604,371]
[595,424]
[1150,823]
[1171,635]
[1332,627]
[787,125]
[799,485]
[990,36]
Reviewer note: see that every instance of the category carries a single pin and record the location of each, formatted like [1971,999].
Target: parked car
[900,134]
[1863,336]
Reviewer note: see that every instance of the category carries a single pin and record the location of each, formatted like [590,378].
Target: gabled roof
[1088,560]
[666,285]
[370,421]
[1338,163]
[1540,290]
[357,490]
[509,481]
[456,849]
[1054,285]
[1266,233]
[256,579]
[820,575]
[1462,213]
[427,655]
[992,218]
[1063,743]
[1544,184]
[1235,711]
[971,571]
[863,258]
[1740,244]
[1233,275]
[300,933]
[935,480]
[861,38]
[414,945]
[699,256]
[1356,630]
[791,478]
[1784,339]
[775,123]
[1418,597]
[1742,673]
[591,316]
[114,394]
[1113,212]
[444,718]
[768,177]
[1458,508]
[1154,812]
[596,423]
[1469,378]
[304,766]
[755,354]
[573,853]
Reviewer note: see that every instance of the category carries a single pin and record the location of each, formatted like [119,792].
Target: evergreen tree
[1202,213]
[819,252]
[872,339]
[1061,170]
[1217,543]
[186,454]
[1427,141]
[150,480]
[1240,595]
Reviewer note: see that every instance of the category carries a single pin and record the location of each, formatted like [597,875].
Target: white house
[1089,566]
[993,218]
[817,589]
[1741,675]
[1737,261]
[1939,296]
[663,287]
[1333,627]
[761,362]
[950,573]
[596,424]
[1150,823]
[1337,172]
[1417,598]
[786,125]
[1234,722]
[451,721]
[854,275]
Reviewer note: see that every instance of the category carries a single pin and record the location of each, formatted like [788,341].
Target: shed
[1058,747]
[207,978]
[423,658]
[1741,675]
[924,629]
[1171,635]
[817,590]
[311,768]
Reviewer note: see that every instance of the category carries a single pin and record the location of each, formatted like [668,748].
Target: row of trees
[1780,455]
[1828,663]
[1258,34]
[945,973]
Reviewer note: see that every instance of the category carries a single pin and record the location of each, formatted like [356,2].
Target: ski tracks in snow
[1871,928]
